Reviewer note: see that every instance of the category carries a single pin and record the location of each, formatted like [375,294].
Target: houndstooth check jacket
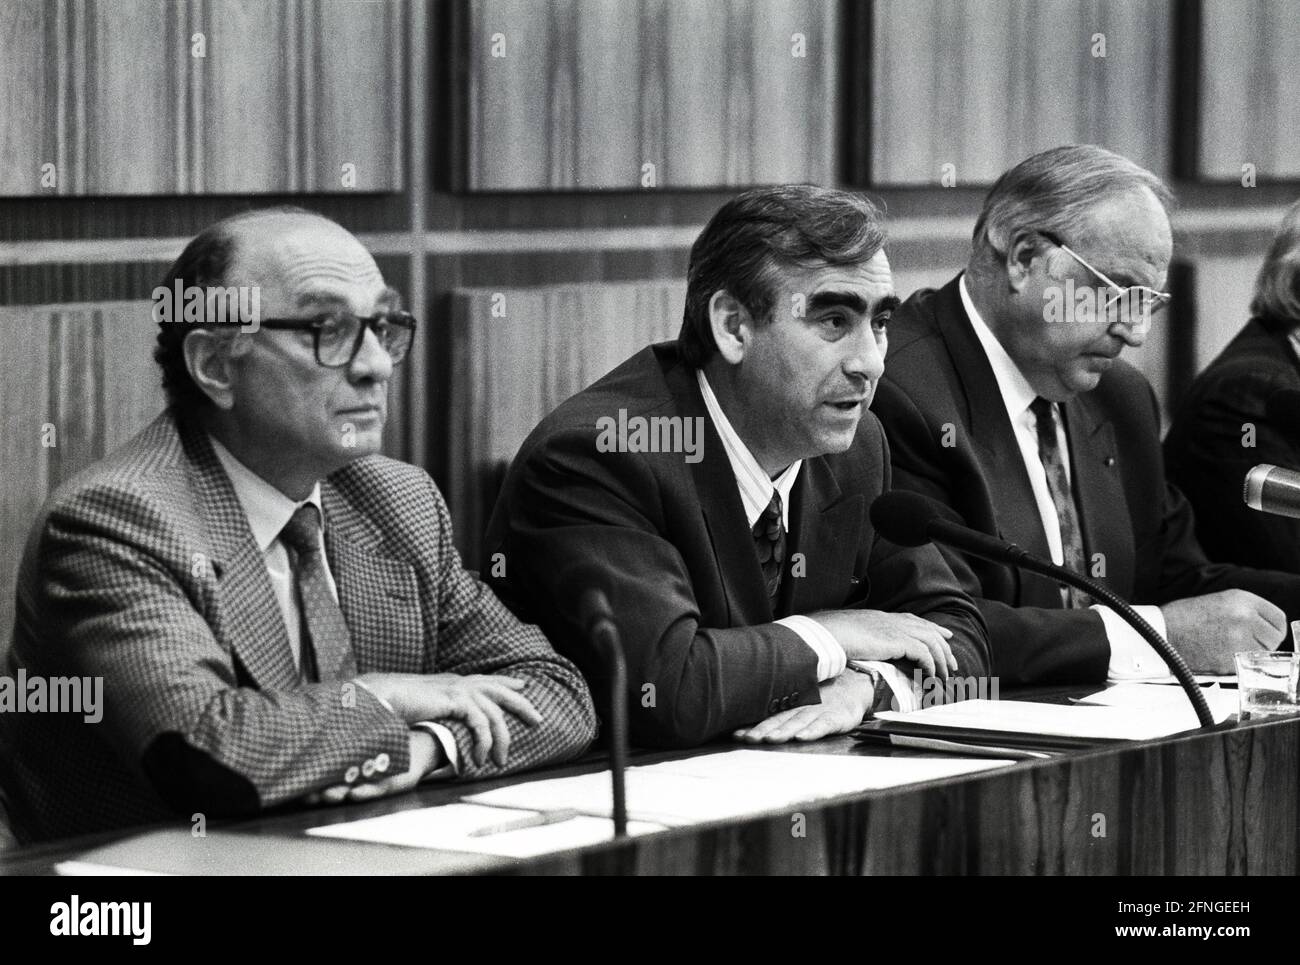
[143,571]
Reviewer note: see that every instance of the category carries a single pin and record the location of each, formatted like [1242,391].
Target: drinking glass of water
[1267,684]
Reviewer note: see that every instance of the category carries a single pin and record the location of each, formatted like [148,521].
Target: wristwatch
[883,698]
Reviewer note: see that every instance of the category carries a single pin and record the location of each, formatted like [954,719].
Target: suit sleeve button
[351,774]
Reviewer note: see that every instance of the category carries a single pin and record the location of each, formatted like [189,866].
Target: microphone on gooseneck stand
[1269,488]
[910,519]
[581,584]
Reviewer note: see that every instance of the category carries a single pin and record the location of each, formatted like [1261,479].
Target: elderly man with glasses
[1004,399]
[276,612]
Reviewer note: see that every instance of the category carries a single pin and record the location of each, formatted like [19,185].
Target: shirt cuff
[905,698]
[445,738]
[831,658]
[1131,657]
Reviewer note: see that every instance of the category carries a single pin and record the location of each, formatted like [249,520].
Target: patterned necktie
[769,543]
[327,633]
[1058,483]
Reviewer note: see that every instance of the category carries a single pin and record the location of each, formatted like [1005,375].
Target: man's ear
[1025,245]
[209,360]
[731,325]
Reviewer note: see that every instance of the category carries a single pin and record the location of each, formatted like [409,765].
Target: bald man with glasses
[276,611]
[1005,399]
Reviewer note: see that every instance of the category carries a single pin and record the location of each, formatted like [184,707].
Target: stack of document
[1127,712]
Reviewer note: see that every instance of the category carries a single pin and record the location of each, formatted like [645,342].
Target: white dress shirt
[268,511]
[1131,657]
[756,489]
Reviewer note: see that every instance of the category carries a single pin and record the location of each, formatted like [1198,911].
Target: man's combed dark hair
[757,235]
[204,263]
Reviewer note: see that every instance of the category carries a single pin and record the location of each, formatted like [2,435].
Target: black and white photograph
[649,438]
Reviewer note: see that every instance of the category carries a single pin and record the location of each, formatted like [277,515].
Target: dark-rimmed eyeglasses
[1134,304]
[338,335]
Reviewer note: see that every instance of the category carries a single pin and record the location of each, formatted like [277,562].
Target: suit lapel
[997,450]
[379,595]
[724,513]
[1099,493]
[825,527]
[247,616]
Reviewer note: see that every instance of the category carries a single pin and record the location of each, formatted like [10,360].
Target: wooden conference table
[1223,801]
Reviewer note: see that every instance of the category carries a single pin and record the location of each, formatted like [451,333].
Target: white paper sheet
[1161,699]
[1058,720]
[74,868]
[451,826]
[712,787]
[1225,679]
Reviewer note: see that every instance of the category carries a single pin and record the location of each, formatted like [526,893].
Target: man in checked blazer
[277,612]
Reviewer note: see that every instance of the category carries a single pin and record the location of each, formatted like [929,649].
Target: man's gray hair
[1277,287]
[1055,191]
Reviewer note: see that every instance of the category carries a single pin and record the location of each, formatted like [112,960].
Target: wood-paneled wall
[516,355]
[981,86]
[200,96]
[588,91]
[583,94]
[1250,77]
[75,383]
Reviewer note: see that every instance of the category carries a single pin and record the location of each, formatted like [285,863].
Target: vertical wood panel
[358,86]
[127,91]
[982,86]
[508,372]
[589,91]
[88,372]
[285,94]
[28,80]
[245,149]
[1224,287]
[1250,57]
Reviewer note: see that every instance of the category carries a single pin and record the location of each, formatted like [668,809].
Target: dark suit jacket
[143,571]
[678,558]
[950,439]
[1206,458]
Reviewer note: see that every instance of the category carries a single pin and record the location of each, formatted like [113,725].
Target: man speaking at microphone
[1004,399]
[721,484]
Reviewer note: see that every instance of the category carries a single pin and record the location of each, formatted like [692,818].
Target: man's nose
[1131,330]
[372,360]
[868,358]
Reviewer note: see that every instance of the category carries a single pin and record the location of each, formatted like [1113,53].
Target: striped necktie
[769,543]
[1058,483]
[326,635]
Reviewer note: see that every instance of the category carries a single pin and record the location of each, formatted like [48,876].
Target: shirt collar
[267,509]
[1017,394]
[756,487]
[1294,338]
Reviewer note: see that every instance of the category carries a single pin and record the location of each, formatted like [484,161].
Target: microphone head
[1253,490]
[904,518]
